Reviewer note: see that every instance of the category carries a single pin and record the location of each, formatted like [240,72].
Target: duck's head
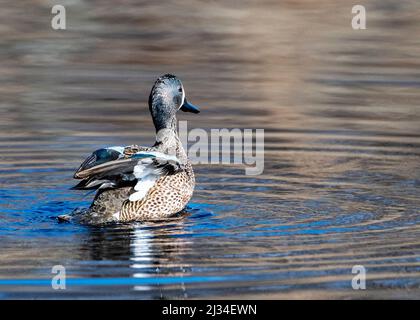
[166,98]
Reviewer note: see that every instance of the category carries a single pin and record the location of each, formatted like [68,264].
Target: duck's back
[168,196]
[140,183]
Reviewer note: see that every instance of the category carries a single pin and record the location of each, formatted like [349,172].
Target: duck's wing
[104,155]
[100,156]
[115,167]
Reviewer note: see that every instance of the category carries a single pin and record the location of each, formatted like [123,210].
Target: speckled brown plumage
[169,196]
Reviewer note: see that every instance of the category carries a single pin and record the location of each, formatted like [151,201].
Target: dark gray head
[166,98]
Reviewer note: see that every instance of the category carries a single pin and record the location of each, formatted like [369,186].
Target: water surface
[340,110]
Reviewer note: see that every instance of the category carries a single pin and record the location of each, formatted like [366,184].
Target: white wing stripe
[142,187]
[146,174]
[160,155]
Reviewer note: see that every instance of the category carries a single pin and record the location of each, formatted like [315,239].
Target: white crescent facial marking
[183,97]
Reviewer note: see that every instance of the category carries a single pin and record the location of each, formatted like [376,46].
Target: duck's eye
[180,90]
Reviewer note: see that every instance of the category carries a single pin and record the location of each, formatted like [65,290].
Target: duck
[137,183]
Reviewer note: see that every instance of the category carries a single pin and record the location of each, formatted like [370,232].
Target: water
[341,117]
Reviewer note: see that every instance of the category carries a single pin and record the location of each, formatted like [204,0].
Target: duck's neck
[167,141]
[162,110]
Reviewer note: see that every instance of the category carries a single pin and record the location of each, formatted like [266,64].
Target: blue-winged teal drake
[143,183]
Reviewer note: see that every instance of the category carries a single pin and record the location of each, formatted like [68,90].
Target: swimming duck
[143,183]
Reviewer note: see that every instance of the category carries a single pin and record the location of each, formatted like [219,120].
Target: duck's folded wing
[141,170]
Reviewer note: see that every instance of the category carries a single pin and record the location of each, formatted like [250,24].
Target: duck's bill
[189,107]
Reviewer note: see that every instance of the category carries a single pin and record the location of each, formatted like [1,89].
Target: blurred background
[340,109]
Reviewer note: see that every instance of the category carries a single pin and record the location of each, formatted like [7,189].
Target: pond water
[341,181]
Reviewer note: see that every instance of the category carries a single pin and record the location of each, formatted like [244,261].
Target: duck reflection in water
[146,250]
